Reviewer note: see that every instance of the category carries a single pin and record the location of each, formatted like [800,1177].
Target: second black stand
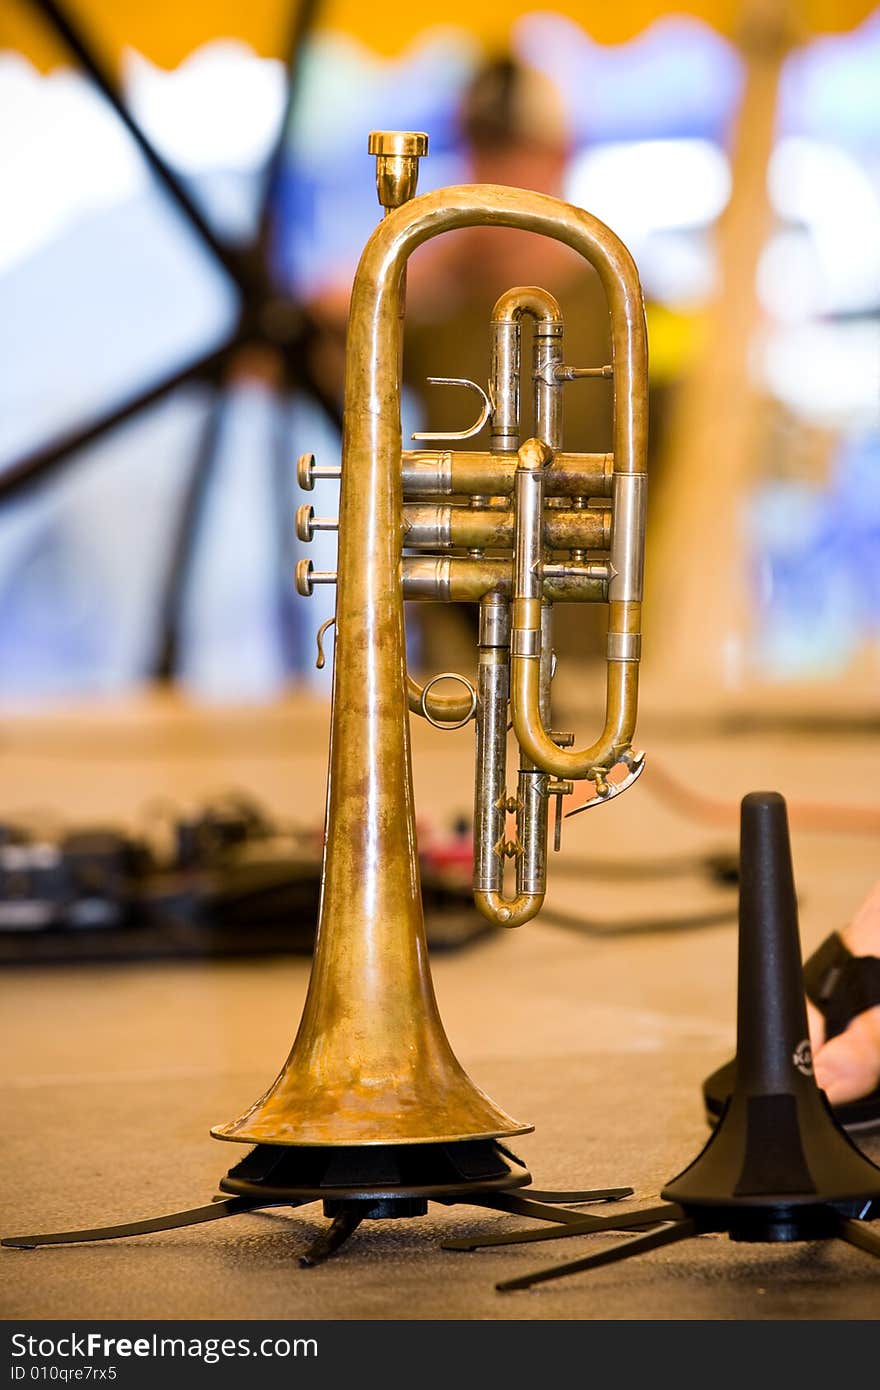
[778,1167]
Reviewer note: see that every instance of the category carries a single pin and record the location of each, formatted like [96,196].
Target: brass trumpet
[372,1114]
[534,525]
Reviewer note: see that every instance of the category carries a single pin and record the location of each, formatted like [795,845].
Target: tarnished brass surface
[371,1063]
[452,472]
[461,580]
[433,527]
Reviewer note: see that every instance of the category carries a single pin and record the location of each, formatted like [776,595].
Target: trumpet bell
[430,1101]
[415,1092]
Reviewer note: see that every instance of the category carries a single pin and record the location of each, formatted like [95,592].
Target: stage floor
[600,1037]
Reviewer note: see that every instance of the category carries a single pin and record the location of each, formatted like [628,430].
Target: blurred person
[514,131]
[848,1061]
[842,984]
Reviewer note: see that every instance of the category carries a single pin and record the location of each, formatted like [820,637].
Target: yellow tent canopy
[167,30]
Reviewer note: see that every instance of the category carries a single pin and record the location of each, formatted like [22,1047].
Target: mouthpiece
[397,164]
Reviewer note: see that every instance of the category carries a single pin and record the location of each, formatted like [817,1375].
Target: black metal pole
[293,332]
[301,24]
[17,478]
[185,538]
[62,23]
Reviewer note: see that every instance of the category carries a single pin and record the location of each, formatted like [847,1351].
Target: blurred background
[187,192]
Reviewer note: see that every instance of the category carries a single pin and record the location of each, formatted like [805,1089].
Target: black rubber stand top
[375,1172]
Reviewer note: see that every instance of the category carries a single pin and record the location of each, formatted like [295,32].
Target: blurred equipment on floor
[228,881]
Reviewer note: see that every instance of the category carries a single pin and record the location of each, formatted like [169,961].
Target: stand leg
[652,1240]
[600,1194]
[857,1233]
[337,1233]
[227,1206]
[524,1206]
[581,1226]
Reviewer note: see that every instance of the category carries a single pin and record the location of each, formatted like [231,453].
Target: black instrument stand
[271,320]
[360,1184]
[777,1167]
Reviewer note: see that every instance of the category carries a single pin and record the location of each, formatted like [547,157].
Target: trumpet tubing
[438,527]
[455,473]
[531,524]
